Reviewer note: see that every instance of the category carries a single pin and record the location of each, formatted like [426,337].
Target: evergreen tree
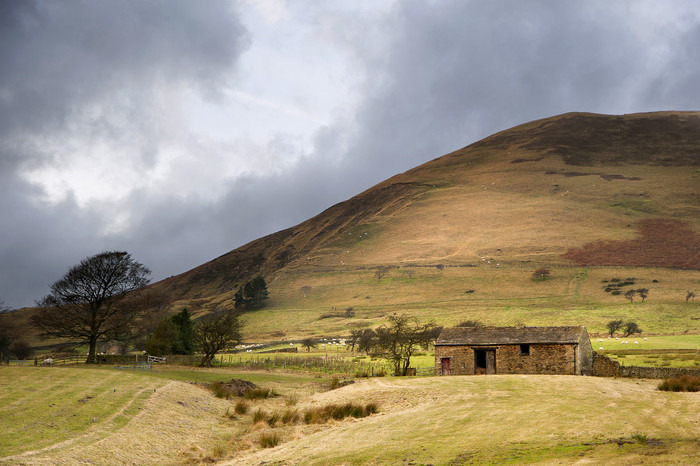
[184,343]
[164,337]
[252,294]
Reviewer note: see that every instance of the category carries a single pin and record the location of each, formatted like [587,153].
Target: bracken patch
[661,243]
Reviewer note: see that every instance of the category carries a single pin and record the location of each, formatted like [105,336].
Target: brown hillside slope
[574,182]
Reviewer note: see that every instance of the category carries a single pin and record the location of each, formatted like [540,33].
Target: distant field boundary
[604,366]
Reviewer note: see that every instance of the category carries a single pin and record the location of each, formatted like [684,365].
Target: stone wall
[604,366]
[543,359]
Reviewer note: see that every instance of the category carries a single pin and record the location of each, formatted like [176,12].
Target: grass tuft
[269,439]
[323,414]
[259,394]
[241,407]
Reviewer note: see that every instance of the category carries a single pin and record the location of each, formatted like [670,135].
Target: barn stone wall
[543,359]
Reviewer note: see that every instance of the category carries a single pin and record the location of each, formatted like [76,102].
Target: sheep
[47,362]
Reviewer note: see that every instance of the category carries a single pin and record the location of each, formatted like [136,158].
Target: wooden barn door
[490,362]
[445,366]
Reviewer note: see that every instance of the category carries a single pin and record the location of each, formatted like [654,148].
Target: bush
[542,273]
[684,383]
[471,323]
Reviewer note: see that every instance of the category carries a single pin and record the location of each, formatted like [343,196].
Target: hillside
[573,192]
[599,199]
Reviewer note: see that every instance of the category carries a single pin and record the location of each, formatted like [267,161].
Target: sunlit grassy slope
[502,420]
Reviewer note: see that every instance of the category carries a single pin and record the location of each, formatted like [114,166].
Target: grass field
[496,294]
[103,416]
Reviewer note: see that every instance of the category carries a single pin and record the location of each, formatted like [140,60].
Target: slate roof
[483,336]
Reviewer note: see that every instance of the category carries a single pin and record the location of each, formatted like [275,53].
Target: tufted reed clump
[259,393]
[684,383]
[323,414]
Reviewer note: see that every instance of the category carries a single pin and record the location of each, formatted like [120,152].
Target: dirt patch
[238,386]
[661,243]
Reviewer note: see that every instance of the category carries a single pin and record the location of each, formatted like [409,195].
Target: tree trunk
[206,360]
[92,356]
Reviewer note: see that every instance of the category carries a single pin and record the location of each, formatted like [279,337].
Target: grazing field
[103,416]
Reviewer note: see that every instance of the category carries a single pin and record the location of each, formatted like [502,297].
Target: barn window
[525,350]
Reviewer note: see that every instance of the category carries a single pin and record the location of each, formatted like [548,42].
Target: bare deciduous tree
[216,332]
[629,294]
[631,328]
[402,337]
[643,293]
[542,273]
[381,271]
[98,299]
[308,343]
[613,326]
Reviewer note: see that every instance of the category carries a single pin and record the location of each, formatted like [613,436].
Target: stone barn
[513,350]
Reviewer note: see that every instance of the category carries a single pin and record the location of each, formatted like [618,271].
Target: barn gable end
[513,350]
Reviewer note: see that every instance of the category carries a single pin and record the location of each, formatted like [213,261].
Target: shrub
[471,323]
[641,438]
[684,383]
[269,439]
[541,273]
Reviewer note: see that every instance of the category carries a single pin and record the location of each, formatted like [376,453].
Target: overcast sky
[180,130]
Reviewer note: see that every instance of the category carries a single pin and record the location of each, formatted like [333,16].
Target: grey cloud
[464,70]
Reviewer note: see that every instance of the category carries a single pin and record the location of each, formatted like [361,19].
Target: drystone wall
[603,366]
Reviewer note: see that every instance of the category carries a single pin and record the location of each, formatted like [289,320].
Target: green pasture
[314,303]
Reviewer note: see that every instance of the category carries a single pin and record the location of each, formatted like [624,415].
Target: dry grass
[145,421]
[518,419]
[436,420]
